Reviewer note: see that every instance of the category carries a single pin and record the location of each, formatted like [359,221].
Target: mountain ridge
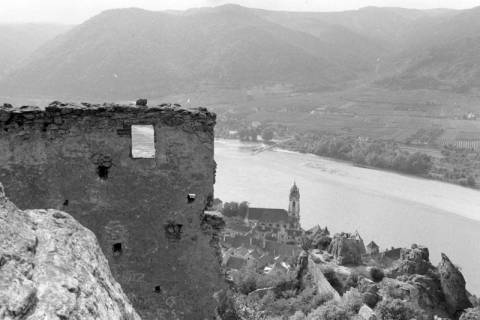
[136,52]
[205,48]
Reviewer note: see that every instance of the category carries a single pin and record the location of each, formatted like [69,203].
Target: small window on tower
[143,141]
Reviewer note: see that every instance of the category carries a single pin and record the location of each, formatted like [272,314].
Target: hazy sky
[76,11]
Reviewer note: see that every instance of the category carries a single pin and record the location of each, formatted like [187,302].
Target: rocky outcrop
[438,291]
[415,260]
[323,286]
[302,269]
[320,238]
[453,286]
[369,291]
[471,314]
[51,267]
[422,291]
[366,313]
[347,248]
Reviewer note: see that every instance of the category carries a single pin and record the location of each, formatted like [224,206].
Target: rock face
[347,248]
[424,292]
[366,313]
[471,314]
[453,286]
[51,267]
[319,237]
[413,261]
[323,286]
[147,208]
[369,291]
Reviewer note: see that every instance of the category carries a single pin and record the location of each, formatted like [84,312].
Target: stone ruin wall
[78,158]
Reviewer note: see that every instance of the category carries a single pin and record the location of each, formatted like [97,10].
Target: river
[389,208]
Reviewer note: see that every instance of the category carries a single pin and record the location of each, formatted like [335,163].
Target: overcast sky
[76,11]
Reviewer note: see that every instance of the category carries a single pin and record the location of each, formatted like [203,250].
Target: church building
[278,224]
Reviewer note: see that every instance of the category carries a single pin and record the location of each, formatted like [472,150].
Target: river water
[389,208]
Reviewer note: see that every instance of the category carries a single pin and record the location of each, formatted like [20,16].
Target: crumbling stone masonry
[147,213]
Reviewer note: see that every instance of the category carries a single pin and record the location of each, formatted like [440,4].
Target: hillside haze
[124,53]
[442,53]
[20,40]
[133,51]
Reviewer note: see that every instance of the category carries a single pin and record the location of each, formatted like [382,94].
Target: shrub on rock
[376,274]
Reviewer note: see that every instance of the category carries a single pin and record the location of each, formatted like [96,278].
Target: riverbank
[460,167]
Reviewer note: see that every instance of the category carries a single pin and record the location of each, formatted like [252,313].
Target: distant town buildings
[264,236]
[278,224]
[271,239]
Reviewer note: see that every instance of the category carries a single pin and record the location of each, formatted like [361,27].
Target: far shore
[273,146]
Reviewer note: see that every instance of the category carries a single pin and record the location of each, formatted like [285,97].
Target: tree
[254,134]
[243,208]
[377,274]
[230,209]
[471,181]
[267,134]
[218,204]
[358,154]
[419,163]
[243,134]
[330,311]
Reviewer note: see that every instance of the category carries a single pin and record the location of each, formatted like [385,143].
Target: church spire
[294,192]
[294,202]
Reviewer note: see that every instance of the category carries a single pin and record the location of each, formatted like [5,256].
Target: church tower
[294,203]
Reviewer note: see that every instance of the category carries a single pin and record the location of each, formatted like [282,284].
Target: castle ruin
[144,198]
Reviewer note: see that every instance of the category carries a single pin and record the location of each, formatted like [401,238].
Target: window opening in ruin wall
[143,141]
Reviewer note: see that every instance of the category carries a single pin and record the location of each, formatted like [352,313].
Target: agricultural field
[422,117]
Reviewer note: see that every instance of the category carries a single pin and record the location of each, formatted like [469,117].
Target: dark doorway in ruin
[102,172]
[117,249]
[173,231]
